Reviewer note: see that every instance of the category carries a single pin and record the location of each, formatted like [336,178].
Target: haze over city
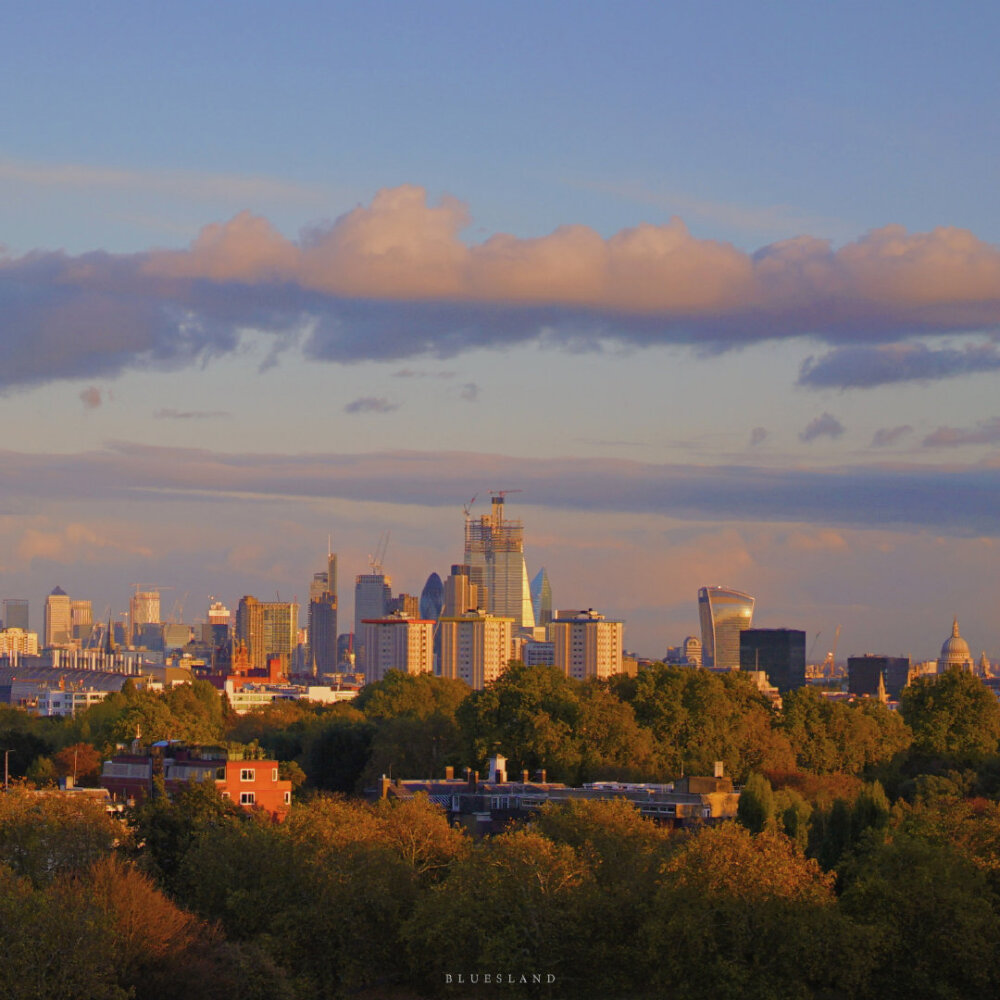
[717,290]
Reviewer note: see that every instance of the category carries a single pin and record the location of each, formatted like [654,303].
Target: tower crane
[376,558]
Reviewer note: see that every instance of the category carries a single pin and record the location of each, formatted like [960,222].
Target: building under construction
[494,551]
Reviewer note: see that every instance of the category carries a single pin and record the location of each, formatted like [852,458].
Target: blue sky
[442,254]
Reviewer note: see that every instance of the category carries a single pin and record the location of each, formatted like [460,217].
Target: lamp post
[6,768]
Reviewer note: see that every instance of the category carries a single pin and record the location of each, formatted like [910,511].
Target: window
[247,774]
[247,798]
[274,774]
[288,798]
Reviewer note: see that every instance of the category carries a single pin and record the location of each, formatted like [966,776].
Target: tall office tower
[475,647]
[541,597]
[396,642]
[779,652]
[58,621]
[432,598]
[15,613]
[461,594]
[494,551]
[81,617]
[372,593]
[215,631]
[322,623]
[724,614]
[250,630]
[143,609]
[586,644]
[280,630]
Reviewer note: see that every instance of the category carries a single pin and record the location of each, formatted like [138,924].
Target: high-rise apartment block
[494,551]
[15,613]
[778,652]
[475,647]
[58,619]
[724,614]
[586,644]
[396,642]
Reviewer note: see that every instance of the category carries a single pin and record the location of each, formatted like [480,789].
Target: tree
[952,715]
[756,808]
[79,761]
[417,695]
[752,916]
[931,917]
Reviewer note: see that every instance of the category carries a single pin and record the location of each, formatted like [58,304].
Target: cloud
[184,183]
[867,367]
[758,436]
[949,499]
[470,391]
[411,373]
[73,543]
[394,280]
[825,425]
[886,436]
[371,404]
[985,432]
[91,397]
[170,414]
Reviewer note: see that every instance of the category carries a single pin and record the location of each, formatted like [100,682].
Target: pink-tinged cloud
[985,432]
[886,436]
[91,397]
[394,280]
[825,425]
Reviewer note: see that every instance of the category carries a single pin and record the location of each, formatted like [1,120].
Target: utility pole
[6,769]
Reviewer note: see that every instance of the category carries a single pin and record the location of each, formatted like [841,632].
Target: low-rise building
[238,775]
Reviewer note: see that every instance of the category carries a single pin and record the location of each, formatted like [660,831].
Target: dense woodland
[865,861]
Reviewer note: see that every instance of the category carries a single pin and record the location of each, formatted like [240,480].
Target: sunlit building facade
[585,644]
[475,647]
[724,613]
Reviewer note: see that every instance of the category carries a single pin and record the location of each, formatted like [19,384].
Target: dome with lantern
[955,652]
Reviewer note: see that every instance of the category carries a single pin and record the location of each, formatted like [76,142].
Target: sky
[712,290]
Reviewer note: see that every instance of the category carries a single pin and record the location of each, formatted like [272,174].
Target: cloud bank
[395,280]
[956,500]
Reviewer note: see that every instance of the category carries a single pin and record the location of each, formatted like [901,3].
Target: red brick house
[237,773]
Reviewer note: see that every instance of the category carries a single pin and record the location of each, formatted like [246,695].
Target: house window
[274,774]
[247,798]
[288,798]
[247,774]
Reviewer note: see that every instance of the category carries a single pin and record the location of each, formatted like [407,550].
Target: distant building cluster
[468,626]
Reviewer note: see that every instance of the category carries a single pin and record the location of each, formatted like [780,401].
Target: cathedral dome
[955,651]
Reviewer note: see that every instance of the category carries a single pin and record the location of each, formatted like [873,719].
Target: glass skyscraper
[724,614]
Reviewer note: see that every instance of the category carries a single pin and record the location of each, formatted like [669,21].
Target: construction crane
[467,508]
[831,657]
[377,558]
[503,493]
[812,647]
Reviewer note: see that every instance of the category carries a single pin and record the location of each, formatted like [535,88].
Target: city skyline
[717,290]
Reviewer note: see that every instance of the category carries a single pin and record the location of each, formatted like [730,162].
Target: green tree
[931,917]
[952,715]
[756,809]
[416,695]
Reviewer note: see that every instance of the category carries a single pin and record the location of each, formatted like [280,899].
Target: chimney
[541,776]
[473,779]
[719,769]
[384,785]
[524,777]
[449,773]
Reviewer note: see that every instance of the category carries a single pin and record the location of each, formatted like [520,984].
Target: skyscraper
[724,614]
[58,622]
[250,629]
[432,598]
[322,622]
[143,609]
[280,630]
[372,593]
[15,613]
[494,550]
[541,597]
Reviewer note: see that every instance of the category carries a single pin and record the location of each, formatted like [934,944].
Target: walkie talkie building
[724,614]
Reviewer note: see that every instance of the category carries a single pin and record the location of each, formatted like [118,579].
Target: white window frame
[248,774]
[248,798]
